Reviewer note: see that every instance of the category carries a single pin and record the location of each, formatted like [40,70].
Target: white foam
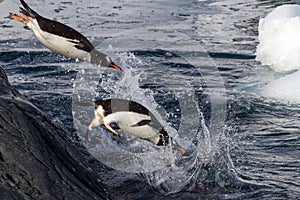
[279,39]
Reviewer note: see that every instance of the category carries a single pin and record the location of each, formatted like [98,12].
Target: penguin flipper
[142,123]
[82,45]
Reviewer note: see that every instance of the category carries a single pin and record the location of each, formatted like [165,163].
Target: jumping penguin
[61,38]
[132,118]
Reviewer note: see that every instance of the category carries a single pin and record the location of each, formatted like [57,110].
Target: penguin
[61,38]
[132,118]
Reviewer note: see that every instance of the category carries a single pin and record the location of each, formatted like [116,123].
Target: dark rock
[37,158]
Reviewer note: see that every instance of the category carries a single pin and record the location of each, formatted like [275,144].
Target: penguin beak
[113,65]
[176,145]
[181,149]
[21,18]
[26,15]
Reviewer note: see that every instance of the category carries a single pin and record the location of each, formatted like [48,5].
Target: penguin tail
[28,11]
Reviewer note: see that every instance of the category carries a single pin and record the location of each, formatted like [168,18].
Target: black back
[59,29]
[117,105]
[62,30]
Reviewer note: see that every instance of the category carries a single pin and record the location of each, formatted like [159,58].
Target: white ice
[286,88]
[279,48]
[279,39]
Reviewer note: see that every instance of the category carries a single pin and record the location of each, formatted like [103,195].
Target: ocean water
[192,64]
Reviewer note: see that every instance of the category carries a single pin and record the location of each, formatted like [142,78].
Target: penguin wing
[82,45]
[149,123]
[142,123]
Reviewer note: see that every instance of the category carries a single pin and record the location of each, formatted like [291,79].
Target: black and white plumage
[61,38]
[132,118]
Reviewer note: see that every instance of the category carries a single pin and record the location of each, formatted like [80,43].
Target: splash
[185,172]
[165,169]
[160,81]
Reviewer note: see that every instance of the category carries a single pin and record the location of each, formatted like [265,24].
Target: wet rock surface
[37,159]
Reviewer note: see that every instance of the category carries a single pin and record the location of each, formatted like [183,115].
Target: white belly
[127,122]
[60,45]
[143,132]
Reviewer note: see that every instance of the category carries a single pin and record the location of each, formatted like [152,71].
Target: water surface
[248,146]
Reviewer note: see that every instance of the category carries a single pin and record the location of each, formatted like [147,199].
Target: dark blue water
[205,46]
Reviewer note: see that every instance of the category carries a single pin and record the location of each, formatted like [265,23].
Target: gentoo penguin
[61,39]
[132,118]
